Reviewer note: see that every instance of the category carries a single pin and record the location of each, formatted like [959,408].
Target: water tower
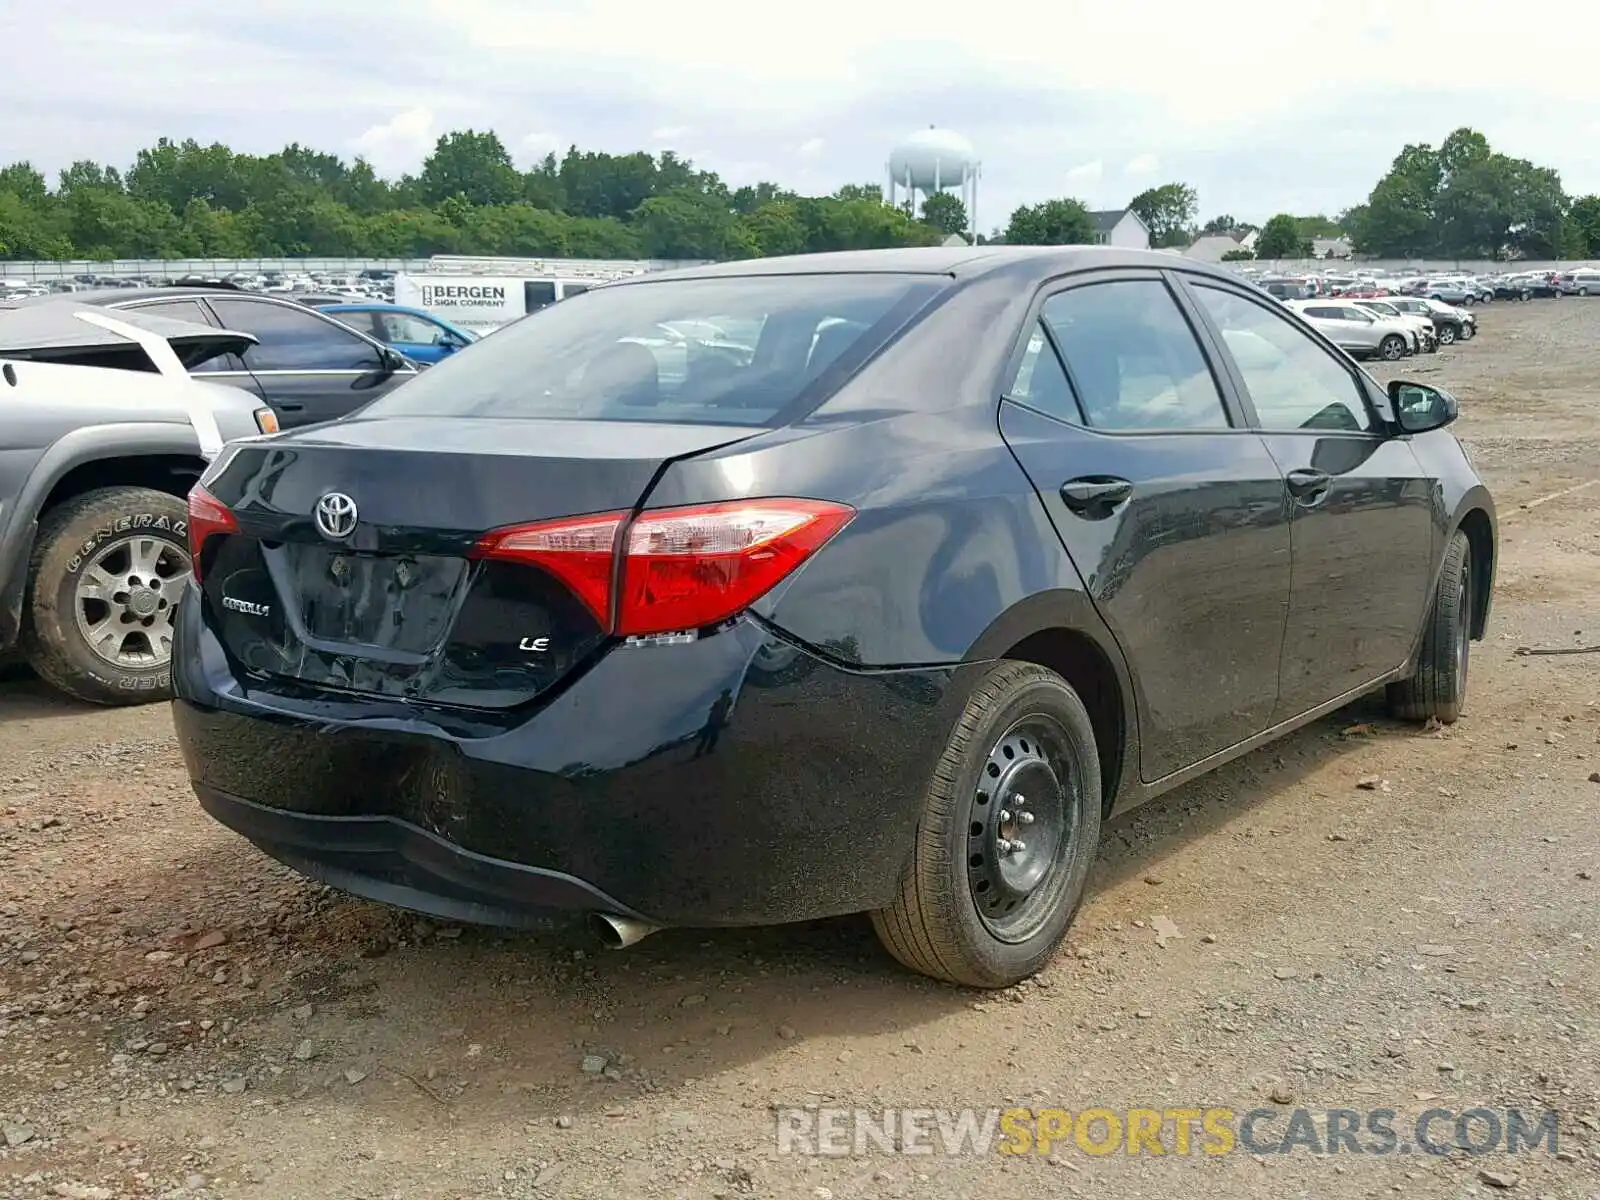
[934,160]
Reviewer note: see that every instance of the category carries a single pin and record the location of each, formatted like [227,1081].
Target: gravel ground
[1365,915]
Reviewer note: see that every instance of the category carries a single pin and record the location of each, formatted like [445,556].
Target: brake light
[207,516]
[579,551]
[681,568]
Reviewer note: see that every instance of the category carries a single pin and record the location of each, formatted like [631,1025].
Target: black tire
[936,925]
[1438,688]
[87,533]
[1392,348]
[1447,335]
[1583,291]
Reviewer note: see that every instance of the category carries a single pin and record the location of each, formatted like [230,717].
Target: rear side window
[1132,359]
[749,350]
[292,338]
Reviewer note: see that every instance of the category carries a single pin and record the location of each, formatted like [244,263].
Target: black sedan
[963,552]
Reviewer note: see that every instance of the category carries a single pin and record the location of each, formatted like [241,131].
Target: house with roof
[1210,247]
[1121,227]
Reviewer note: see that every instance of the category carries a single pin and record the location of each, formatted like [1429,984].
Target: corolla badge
[247,606]
[335,515]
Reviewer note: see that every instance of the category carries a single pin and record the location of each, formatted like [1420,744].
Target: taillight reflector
[682,568]
[208,516]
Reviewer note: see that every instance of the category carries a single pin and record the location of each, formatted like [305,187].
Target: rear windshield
[743,351]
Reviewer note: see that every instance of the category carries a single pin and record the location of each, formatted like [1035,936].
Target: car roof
[379,306]
[110,296]
[960,262]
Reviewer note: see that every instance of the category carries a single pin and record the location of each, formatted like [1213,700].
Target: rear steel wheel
[1023,815]
[1009,829]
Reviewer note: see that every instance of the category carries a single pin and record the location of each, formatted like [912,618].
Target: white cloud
[532,147]
[102,79]
[400,143]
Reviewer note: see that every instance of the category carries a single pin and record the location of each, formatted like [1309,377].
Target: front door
[310,368]
[1174,513]
[1363,524]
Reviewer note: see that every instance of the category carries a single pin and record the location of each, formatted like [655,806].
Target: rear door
[310,367]
[1174,512]
[1363,528]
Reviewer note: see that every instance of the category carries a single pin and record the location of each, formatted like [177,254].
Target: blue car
[419,335]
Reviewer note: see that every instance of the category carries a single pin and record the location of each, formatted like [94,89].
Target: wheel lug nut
[1018,846]
[1005,814]
[1025,818]
[1002,845]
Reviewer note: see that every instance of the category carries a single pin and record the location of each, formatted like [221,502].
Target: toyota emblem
[336,516]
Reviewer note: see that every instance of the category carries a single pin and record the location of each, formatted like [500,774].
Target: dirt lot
[180,1017]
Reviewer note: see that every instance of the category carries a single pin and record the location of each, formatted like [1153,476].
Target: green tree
[1280,237]
[1168,212]
[684,225]
[1064,222]
[470,164]
[1584,220]
[1239,255]
[24,182]
[945,212]
[1222,224]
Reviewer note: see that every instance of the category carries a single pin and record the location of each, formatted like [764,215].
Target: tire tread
[45,653]
[1432,691]
[920,928]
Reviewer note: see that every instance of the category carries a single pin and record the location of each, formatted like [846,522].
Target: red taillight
[207,516]
[682,568]
[579,551]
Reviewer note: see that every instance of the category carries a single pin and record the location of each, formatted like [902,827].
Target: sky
[1262,106]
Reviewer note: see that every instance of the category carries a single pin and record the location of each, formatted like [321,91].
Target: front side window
[291,338]
[403,327]
[1294,383]
[362,320]
[741,350]
[1133,361]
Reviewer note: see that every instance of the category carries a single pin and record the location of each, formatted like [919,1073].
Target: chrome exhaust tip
[618,933]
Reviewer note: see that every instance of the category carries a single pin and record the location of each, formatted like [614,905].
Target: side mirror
[1419,408]
[392,360]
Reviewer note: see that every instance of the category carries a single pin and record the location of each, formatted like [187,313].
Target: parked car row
[1389,328]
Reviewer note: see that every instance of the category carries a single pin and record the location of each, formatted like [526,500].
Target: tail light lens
[207,516]
[681,568]
[579,551]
